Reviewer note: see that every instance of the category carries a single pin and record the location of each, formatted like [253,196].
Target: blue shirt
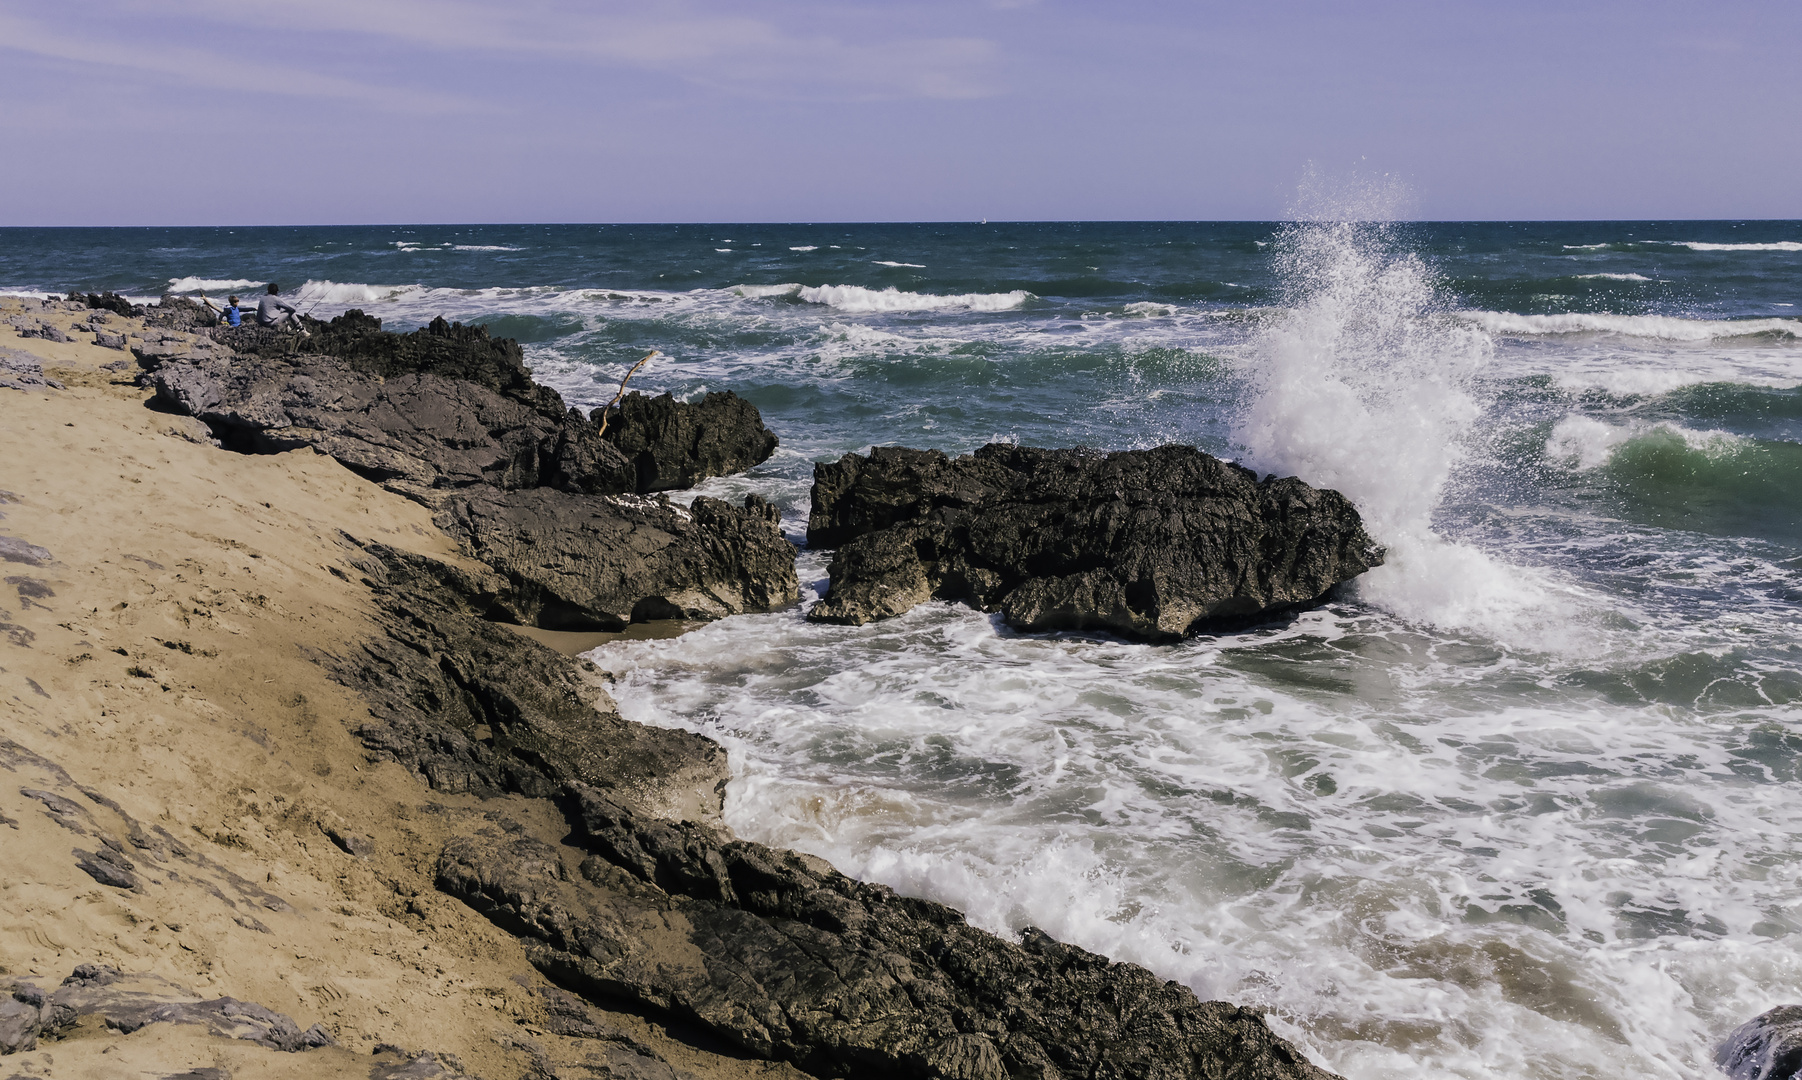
[233,315]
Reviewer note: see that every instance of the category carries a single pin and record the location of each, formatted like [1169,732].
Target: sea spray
[1365,386]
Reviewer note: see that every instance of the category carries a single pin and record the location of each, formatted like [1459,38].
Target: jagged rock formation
[784,957]
[1150,544]
[472,707]
[1766,1047]
[599,564]
[676,444]
[450,417]
[418,434]
[126,1003]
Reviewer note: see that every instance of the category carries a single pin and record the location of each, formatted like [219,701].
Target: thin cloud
[733,52]
[218,71]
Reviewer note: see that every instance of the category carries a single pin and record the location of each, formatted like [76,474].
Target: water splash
[1368,386]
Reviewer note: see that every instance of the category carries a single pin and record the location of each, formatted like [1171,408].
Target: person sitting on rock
[274,311]
[233,315]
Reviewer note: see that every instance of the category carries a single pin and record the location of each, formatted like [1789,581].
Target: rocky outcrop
[1150,544]
[676,444]
[126,1003]
[787,959]
[443,407]
[450,418]
[599,564]
[418,434]
[19,370]
[470,706]
[1766,1047]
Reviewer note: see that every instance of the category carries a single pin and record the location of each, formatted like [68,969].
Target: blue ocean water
[1523,803]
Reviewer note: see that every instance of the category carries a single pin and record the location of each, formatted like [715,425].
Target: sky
[244,112]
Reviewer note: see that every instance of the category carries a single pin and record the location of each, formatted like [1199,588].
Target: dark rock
[1151,544]
[472,706]
[782,956]
[110,341]
[351,843]
[126,1003]
[12,549]
[677,444]
[108,868]
[110,301]
[1766,1047]
[415,433]
[588,563]
[396,1064]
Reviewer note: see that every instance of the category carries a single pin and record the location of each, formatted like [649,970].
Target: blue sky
[338,111]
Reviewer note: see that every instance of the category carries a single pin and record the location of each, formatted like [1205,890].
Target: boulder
[1766,1047]
[677,444]
[1149,544]
[783,957]
[589,563]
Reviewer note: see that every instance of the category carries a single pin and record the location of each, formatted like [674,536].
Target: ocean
[1523,802]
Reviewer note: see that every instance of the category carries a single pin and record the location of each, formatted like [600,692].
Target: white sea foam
[1359,389]
[806,247]
[724,251]
[334,293]
[757,292]
[200,284]
[1781,245]
[856,298]
[1664,327]
[1613,277]
[1584,442]
[1146,309]
[916,266]
[484,247]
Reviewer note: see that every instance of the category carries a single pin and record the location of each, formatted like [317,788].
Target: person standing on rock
[274,311]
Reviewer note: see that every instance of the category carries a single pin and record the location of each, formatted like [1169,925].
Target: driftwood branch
[622,388]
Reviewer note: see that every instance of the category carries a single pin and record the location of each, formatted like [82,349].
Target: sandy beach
[166,604]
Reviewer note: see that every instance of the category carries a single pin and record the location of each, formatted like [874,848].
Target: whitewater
[1523,802]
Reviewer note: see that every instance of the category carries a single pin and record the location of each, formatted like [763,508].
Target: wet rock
[589,563]
[1767,1047]
[1149,544]
[472,706]
[789,960]
[677,444]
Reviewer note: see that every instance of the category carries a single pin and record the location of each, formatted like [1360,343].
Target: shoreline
[201,653]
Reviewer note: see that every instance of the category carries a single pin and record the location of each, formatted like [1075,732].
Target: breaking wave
[855,298]
[200,284]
